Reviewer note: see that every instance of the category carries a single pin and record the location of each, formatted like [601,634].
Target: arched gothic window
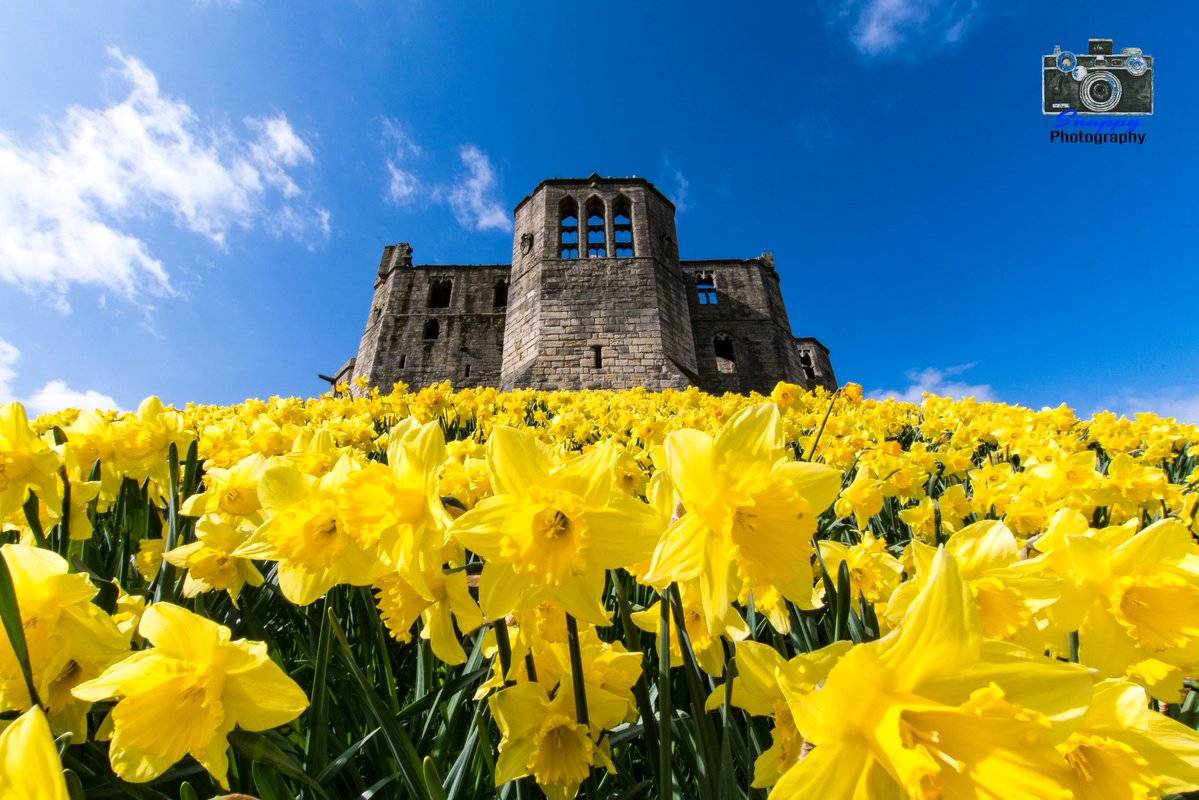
[622,227]
[597,229]
[568,228]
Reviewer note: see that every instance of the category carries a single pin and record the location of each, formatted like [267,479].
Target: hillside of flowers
[468,594]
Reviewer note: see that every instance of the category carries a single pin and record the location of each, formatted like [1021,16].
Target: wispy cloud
[403,185]
[904,27]
[677,187]
[473,194]
[69,199]
[940,381]
[1166,401]
[55,395]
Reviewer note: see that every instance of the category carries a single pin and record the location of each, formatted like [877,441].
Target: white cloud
[55,395]
[472,196]
[676,186]
[937,381]
[878,27]
[67,200]
[403,185]
[1170,401]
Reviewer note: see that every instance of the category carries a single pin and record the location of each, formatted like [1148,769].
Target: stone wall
[417,335]
[749,316]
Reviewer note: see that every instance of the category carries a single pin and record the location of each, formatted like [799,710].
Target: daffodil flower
[553,528]
[933,710]
[749,514]
[210,562]
[542,738]
[29,764]
[70,639]
[185,694]
[27,464]
[1125,751]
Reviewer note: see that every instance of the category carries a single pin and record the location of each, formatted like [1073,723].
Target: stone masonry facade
[595,297]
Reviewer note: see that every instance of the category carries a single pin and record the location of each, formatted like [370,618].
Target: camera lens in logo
[1136,65]
[1100,91]
[1066,61]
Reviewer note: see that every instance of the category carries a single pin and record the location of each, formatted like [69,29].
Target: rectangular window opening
[466,371]
[597,354]
[403,358]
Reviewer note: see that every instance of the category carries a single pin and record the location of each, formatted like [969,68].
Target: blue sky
[194,195]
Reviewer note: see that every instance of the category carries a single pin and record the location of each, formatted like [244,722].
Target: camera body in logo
[1099,81]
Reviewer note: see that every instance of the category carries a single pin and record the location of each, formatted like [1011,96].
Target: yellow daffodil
[748,513]
[29,765]
[231,492]
[186,693]
[400,605]
[873,572]
[541,737]
[553,528]
[69,638]
[1124,751]
[934,710]
[1133,597]
[304,533]
[210,562]
[27,464]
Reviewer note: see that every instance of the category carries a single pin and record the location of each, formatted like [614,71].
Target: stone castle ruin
[595,297]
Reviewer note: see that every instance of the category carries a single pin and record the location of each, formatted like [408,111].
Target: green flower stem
[665,712]
[504,646]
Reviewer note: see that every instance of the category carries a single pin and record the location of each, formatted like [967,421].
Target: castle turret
[597,296]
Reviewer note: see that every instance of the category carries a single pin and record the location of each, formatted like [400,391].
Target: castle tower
[597,296]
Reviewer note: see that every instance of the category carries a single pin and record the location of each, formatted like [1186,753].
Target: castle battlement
[595,297]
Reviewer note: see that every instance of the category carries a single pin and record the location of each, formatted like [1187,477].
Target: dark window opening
[805,359]
[439,293]
[499,298]
[622,227]
[597,231]
[466,371]
[432,329]
[726,353]
[705,289]
[597,355]
[809,373]
[403,359]
[568,228]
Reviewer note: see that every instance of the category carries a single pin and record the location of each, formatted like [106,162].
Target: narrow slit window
[432,329]
[597,229]
[597,356]
[568,228]
[622,227]
[726,353]
[705,289]
[403,359]
[499,297]
[466,371]
[439,293]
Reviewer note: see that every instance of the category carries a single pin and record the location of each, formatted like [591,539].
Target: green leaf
[10,614]
[259,748]
[397,741]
